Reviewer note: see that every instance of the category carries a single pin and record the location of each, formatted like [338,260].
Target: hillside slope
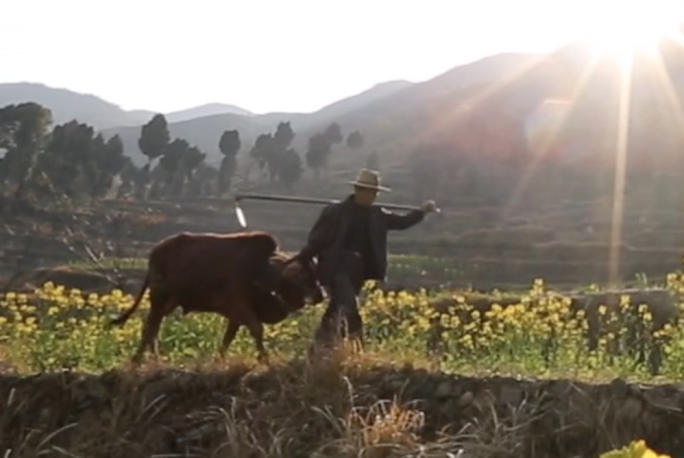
[492,107]
[203,132]
[383,113]
[206,131]
[67,105]
[386,113]
[401,115]
[484,106]
[209,109]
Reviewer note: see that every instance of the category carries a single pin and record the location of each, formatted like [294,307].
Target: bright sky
[277,55]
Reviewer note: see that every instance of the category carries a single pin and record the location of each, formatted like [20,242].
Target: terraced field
[540,374]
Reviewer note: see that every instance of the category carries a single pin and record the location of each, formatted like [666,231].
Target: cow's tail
[123,318]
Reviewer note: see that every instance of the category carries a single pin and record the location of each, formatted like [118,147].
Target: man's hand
[429,206]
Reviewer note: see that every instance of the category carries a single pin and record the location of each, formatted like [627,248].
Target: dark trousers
[342,319]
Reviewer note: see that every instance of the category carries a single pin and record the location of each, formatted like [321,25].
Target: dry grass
[344,406]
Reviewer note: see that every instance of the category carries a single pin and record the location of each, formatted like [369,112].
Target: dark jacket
[328,234]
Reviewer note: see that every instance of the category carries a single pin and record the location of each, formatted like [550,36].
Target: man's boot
[354,331]
[327,335]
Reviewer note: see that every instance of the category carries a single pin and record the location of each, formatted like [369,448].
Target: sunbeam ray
[538,155]
[458,113]
[668,86]
[622,142]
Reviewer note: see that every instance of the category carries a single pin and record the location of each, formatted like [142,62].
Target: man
[350,241]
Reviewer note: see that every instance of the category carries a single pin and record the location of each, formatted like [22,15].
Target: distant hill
[383,112]
[359,102]
[210,109]
[397,116]
[67,105]
[485,105]
[145,115]
[205,132]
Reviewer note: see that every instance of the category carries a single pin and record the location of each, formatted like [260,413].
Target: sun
[625,37]
[631,26]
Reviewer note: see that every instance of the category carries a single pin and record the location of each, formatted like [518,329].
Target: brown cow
[220,273]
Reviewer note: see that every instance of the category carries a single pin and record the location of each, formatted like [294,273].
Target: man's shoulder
[339,205]
[331,210]
[334,206]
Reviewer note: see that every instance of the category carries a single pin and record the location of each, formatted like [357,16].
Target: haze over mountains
[390,115]
[203,125]
[69,104]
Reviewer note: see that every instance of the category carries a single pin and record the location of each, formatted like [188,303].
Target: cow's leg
[168,305]
[229,336]
[160,302]
[145,338]
[256,329]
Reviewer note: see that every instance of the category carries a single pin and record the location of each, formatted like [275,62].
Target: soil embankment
[297,410]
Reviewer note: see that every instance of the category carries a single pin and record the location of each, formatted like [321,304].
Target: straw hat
[369,179]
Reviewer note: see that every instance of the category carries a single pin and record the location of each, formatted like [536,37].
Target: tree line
[72,160]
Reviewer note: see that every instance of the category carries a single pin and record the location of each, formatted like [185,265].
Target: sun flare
[627,27]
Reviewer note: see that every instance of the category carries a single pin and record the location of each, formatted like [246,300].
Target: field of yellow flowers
[57,329]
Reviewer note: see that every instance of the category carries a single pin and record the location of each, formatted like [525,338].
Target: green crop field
[401,397]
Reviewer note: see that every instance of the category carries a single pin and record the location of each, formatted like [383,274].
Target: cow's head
[301,282]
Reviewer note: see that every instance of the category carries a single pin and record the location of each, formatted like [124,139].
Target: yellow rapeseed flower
[636,449]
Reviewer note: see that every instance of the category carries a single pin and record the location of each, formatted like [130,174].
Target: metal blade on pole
[240,214]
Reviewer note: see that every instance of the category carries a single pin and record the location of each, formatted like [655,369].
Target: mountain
[145,115]
[210,109]
[491,104]
[397,116]
[202,132]
[358,102]
[383,113]
[67,105]
[101,114]
[205,132]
